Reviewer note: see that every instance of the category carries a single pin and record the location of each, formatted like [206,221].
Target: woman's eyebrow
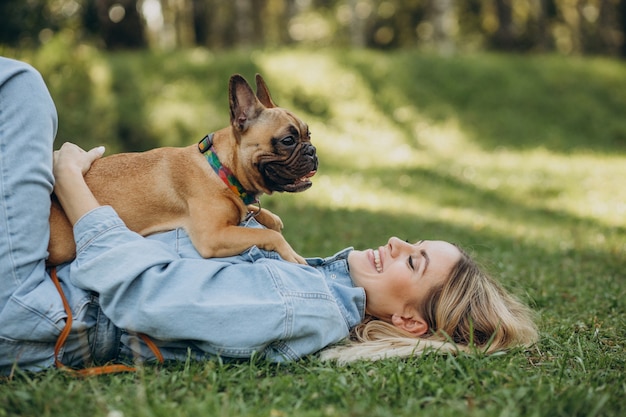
[426,260]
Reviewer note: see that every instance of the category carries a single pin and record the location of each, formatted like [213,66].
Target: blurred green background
[567,26]
[135,74]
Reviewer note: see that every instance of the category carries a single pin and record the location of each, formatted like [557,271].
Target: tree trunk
[183,23]
[613,26]
[200,21]
[357,26]
[543,38]
[504,38]
[444,23]
[244,23]
[121,25]
[622,26]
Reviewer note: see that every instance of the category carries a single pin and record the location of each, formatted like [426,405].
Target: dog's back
[145,188]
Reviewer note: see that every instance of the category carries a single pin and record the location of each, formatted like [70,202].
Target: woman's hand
[70,163]
[72,160]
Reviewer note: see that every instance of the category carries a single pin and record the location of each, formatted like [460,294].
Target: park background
[495,124]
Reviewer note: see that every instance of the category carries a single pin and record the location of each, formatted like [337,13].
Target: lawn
[519,159]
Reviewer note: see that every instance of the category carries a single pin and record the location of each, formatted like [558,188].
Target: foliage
[519,159]
[569,27]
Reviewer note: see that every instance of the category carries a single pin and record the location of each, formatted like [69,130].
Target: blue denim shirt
[236,307]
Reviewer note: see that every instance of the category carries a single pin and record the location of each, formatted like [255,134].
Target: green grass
[520,159]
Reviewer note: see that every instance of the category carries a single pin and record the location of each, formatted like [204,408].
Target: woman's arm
[232,307]
[69,167]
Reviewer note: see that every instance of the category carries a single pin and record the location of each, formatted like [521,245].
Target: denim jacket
[236,307]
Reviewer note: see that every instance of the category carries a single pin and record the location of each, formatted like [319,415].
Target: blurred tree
[600,27]
[544,12]
[244,24]
[620,32]
[200,12]
[214,20]
[275,20]
[359,12]
[178,15]
[399,23]
[567,26]
[471,21]
[120,24]
[445,24]
[504,38]
[21,21]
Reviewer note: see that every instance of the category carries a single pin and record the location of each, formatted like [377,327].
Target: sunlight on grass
[357,191]
[356,130]
[173,110]
[358,138]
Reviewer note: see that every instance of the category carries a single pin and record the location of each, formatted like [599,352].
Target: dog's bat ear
[263,93]
[244,105]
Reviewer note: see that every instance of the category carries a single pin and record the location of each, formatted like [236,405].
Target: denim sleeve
[112,261]
[232,307]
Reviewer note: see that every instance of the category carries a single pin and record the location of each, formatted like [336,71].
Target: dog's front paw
[293,257]
[269,220]
[286,251]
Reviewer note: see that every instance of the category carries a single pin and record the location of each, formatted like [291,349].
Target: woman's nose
[397,246]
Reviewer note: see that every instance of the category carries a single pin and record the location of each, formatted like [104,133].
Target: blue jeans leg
[28,125]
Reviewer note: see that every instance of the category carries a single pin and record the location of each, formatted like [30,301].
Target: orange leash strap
[153,347]
[98,370]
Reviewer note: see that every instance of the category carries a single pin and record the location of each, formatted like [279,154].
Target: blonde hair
[469,310]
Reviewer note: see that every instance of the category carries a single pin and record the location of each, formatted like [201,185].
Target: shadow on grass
[516,102]
[446,190]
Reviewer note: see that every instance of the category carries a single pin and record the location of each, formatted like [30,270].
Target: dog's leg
[267,218]
[212,236]
[233,240]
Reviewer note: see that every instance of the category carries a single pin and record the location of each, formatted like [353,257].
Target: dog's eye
[288,141]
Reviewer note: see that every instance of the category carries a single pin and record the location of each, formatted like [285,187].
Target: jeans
[31,311]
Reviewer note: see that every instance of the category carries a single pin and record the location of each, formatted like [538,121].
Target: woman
[134,298]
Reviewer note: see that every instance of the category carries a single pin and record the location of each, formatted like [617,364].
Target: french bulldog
[207,188]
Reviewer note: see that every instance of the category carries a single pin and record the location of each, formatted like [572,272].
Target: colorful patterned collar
[205,146]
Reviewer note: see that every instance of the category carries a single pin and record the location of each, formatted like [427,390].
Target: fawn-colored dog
[210,187]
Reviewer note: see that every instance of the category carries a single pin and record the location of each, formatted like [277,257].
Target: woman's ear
[413,324]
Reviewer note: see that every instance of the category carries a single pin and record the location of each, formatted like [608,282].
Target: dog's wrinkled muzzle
[293,174]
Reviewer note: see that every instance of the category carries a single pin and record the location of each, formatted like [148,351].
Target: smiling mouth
[377,262]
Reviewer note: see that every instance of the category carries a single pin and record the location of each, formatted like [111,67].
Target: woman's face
[398,276]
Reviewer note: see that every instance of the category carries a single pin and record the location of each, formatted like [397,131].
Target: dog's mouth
[281,179]
[300,184]
[292,176]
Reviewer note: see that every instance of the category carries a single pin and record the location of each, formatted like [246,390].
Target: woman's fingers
[74,158]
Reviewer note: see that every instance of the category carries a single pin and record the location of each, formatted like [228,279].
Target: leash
[97,370]
[226,175]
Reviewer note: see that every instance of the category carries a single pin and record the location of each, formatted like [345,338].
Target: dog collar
[227,176]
